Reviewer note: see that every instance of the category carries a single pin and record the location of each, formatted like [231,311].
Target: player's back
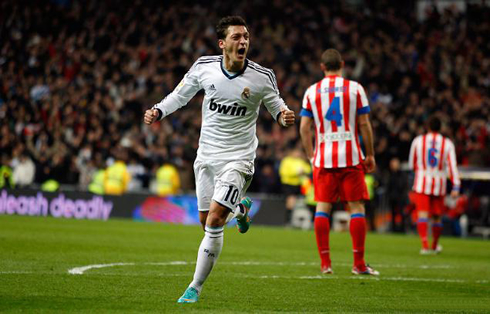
[432,157]
[334,104]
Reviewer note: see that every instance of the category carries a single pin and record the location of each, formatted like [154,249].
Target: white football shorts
[224,181]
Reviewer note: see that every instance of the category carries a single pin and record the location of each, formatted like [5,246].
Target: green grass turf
[36,254]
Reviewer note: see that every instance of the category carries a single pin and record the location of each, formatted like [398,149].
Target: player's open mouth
[241,52]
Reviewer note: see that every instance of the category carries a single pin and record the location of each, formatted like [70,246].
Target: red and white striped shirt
[334,103]
[433,158]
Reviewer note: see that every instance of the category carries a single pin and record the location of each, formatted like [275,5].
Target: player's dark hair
[332,60]
[434,124]
[224,23]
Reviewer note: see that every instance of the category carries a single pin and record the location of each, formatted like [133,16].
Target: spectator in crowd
[397,183]
[293,170]
[24,170]
[167,180]
[78,77]
[137,172]
[116,176]
[6,175]
[96,184]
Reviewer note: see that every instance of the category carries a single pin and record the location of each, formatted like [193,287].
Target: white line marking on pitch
[81,270]
[370,278]
[338,264]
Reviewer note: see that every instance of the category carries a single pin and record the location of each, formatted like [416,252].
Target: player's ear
[322,67]
[221,44]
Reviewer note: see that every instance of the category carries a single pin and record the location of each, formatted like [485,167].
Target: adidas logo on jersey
[234,110]
[212,87]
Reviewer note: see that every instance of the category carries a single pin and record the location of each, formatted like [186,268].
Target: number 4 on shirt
[333,113]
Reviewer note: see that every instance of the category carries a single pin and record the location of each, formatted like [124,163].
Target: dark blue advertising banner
[181,209]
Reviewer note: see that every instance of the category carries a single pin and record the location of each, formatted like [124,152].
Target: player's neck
[333,73]
[231,66]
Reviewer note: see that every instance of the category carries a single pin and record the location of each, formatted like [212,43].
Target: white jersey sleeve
[182,94]
[452,166]
[272,100]
[413,151]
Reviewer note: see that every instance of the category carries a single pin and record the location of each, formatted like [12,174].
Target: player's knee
[436,219]
[215,220]
[324,207]
[217,215]
[356,207]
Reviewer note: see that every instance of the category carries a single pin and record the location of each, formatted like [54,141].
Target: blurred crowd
[76,77]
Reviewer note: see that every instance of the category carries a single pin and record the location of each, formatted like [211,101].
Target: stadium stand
[76,77]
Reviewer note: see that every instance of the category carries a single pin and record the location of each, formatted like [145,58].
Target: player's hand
[287,117]
[370,164]
[454,194]
[151,116]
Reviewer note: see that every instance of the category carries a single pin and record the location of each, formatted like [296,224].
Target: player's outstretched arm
[151,116]
[286,118]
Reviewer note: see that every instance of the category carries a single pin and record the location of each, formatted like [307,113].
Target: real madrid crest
[246,93]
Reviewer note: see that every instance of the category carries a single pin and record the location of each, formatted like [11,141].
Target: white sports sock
[208,254]
[239,212]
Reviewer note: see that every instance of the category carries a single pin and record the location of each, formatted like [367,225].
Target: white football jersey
[230,107]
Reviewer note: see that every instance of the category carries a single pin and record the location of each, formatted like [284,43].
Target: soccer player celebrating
[338,108]
[234,88]
[433,158]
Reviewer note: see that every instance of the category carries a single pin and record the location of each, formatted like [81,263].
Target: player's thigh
[353,187]
[437,207]
[204,174]
[326,185]
[422,202]
[232,182]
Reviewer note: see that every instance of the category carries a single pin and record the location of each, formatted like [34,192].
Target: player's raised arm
[151,115]
[274,103]
[178,98]
[286,117]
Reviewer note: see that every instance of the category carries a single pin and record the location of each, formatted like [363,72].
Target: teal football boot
[244,223]
[190,295]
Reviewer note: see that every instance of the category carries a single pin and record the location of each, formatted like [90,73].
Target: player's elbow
[363,120]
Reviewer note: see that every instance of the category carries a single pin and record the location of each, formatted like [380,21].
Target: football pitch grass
[127,267]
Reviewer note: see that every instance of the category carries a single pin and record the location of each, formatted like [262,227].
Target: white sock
[239,211]
[208,254]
